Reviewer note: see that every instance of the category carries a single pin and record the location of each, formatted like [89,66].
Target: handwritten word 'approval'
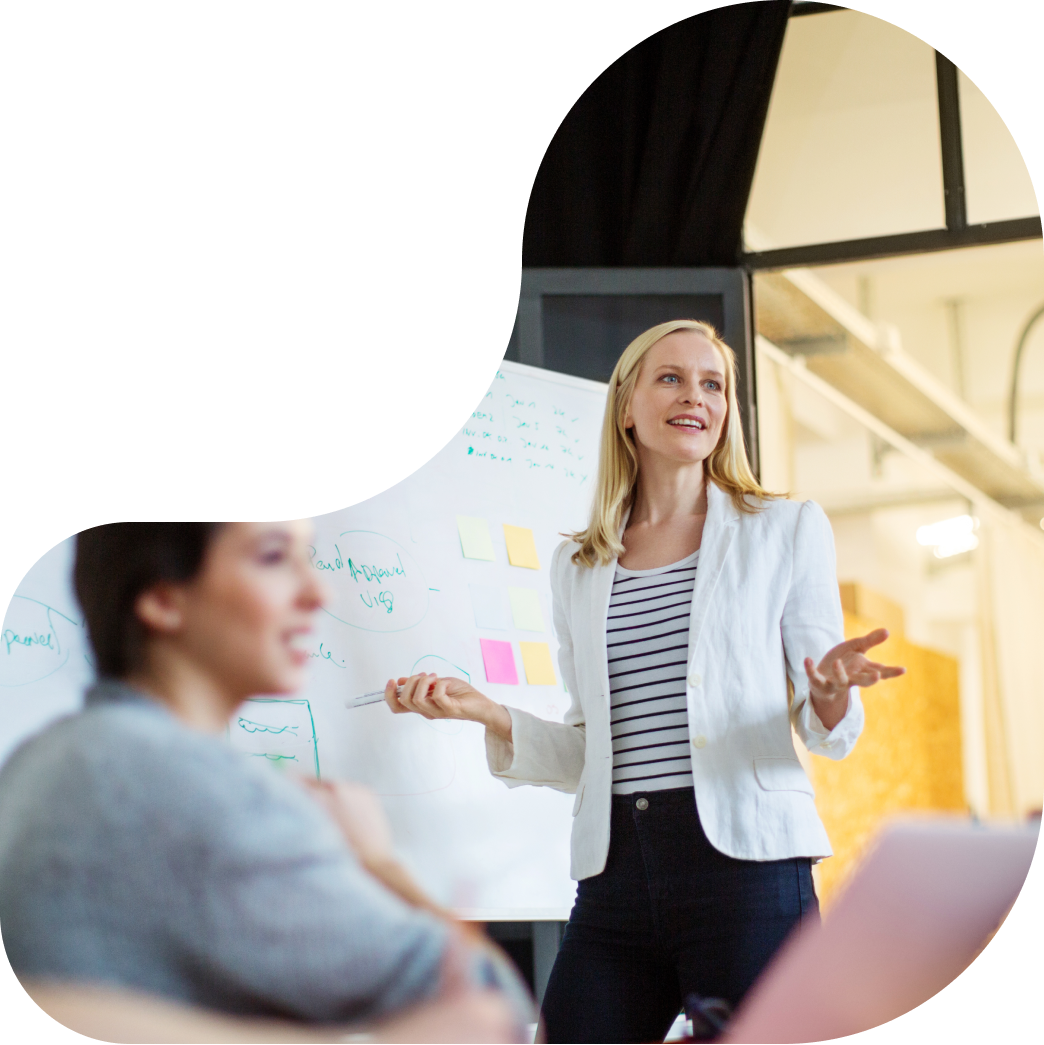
[12,638]
[377,573]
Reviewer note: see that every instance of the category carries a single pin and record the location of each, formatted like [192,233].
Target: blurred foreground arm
[109,1014]
[471,957]
[358,812]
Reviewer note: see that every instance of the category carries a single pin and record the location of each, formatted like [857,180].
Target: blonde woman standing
[699,620]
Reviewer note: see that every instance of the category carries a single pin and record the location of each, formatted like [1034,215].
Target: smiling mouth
[681,422]
[299,643]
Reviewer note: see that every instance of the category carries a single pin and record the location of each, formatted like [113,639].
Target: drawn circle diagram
[376,584]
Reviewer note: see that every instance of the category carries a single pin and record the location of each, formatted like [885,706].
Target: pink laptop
[922,905]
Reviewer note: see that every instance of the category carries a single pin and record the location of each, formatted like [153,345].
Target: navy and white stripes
[647,640]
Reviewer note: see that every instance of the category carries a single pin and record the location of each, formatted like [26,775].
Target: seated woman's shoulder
[119,770]
[133,752]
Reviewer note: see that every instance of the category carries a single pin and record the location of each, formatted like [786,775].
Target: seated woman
[137,849]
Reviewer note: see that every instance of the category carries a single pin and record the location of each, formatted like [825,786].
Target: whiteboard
[404,598]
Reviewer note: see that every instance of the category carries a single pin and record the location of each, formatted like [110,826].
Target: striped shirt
[647,641]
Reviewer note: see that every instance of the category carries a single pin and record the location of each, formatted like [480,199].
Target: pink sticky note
[499,661]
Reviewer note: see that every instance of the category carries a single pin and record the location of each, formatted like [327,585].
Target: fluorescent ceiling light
[950,537]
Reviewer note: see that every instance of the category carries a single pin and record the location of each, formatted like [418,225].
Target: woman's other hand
[447,697]
[358,812]
[844,666]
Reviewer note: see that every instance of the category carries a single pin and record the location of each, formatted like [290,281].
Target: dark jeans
[668,917]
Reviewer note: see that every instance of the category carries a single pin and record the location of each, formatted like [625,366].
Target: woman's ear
[159,608]
[627,421]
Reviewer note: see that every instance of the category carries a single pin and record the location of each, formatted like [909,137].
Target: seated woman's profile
[138,850]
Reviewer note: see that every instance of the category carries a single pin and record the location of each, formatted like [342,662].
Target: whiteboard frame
[554,376]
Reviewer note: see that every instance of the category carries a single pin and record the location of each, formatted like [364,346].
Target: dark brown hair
[115,563]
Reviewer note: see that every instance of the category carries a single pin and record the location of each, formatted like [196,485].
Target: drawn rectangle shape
[521,547]
[499,661]
[281,732]
[490,607]
[536,658]
[525,609]
[475,541]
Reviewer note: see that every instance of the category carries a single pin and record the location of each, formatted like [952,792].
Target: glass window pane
[997,183]
[851,144]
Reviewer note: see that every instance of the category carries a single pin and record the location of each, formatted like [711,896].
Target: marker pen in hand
[374,697]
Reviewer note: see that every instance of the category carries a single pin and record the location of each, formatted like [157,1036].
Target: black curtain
[653,165]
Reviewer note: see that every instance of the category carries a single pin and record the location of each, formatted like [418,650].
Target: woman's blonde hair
[727,464]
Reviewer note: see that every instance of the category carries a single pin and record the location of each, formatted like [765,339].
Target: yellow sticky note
[537,660]
[475,541]
[521,548]
[525,609]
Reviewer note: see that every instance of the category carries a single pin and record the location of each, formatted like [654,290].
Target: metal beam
[950,143]
[895,245]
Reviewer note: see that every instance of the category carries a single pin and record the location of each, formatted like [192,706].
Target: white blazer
[765,597]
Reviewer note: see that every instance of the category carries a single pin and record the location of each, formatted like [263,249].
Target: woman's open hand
[446,697]
[844,666]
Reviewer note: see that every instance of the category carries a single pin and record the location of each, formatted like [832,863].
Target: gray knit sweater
[136,851]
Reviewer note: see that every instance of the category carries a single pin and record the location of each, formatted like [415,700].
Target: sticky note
[499,661]
[492,612]
[520,547]
[475,541]
[536,658]
[525,609]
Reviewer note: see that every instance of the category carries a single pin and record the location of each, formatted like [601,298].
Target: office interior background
[891,243]
[904,391]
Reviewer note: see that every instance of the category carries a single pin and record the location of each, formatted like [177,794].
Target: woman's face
[679,405]
[244,620]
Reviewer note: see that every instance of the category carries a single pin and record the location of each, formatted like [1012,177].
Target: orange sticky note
[521,548]
[536,658]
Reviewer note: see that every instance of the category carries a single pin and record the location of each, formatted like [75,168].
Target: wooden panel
[861,601]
